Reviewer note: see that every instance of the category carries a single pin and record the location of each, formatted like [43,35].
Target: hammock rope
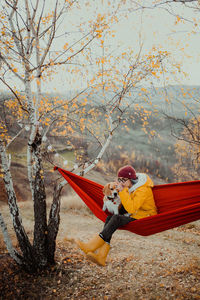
[177,203]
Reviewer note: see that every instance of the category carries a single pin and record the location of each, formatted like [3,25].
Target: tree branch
[16,96]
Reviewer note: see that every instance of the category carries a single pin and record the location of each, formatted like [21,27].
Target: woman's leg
[94,243]
[107,220]
[112,224]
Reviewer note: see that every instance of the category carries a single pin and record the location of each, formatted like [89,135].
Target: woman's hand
[120,186]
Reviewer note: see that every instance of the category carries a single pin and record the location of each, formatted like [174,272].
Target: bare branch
[63,104]
[66,61]
[14,138]
[16,96]
[13,31]
[10,68]
[51,36]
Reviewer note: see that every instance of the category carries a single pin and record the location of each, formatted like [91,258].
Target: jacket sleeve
[132,202]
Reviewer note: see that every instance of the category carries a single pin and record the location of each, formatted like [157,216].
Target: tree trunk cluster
[38,255]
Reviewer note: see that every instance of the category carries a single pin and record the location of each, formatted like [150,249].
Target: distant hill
[177,101]
[173,99]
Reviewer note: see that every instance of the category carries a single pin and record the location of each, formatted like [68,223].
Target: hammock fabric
[177,203]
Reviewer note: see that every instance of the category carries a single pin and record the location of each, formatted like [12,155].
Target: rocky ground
[162,266]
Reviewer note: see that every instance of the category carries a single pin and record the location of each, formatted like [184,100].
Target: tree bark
[24,243]
[53,224]
[39,194]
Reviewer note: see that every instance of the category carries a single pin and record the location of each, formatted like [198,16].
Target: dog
[111,198]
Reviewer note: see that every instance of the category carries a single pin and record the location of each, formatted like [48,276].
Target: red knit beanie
[127,172]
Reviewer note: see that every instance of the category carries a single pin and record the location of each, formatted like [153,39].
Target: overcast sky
[160,29]
[157,28]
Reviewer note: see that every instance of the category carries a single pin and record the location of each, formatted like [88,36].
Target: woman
[135,191]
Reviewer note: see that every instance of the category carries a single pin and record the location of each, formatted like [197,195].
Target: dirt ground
[161,266]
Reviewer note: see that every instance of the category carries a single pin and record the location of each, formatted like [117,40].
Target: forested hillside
[134,140]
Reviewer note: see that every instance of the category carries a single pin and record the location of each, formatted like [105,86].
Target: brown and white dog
[111,198]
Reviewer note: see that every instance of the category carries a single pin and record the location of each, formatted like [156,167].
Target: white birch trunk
[13,253]
[22,237]
[32,117]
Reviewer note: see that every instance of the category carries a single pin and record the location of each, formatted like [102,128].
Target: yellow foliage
[143,90]
[178,19]
[38,81]
[153,73]
[74,105]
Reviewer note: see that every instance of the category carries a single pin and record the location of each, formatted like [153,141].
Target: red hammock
[177,203]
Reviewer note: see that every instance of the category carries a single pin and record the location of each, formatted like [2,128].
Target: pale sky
[156,28]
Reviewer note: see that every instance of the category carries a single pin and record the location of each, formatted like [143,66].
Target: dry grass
[163,266]
[73,202]
[70,203]
[126,276]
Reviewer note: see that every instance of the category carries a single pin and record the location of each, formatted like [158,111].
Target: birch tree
[28,36]
[30,55]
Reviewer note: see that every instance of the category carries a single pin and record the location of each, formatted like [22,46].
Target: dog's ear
[105,188]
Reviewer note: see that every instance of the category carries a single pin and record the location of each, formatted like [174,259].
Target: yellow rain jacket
[138,200]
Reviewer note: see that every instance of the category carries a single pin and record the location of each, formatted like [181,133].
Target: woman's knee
[108,219]
[116,218]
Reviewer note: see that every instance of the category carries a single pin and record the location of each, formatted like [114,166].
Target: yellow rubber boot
[95,243]
[101,255]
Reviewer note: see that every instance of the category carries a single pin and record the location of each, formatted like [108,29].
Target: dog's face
[110,190]
[111,199]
